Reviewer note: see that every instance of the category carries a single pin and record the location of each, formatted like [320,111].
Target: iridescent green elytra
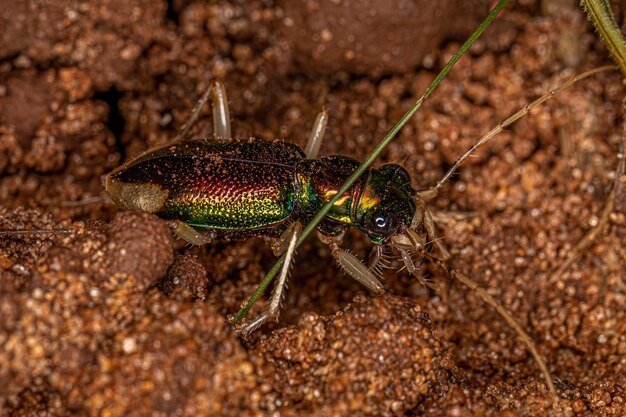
[235,189]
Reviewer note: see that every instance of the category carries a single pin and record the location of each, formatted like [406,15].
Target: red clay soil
[120,319]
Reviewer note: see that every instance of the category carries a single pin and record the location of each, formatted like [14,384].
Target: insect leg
[219,106]
[423,216]
[351,264]
[445,217]
[273,309]
[287,242]
[376,255]
[378,260]
[414,271]
[221,115]
[431,230]
[188,233]
[316,136]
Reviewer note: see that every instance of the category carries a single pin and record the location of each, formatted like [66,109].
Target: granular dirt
[119,319]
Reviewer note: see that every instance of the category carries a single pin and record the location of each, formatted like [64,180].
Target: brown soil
[118,318]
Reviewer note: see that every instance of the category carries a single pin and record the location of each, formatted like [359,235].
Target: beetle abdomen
[221,185]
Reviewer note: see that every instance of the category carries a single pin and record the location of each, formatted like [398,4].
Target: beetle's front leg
[288,241]
[351,264]
[429,224]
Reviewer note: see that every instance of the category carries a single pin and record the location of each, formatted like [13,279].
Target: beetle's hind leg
[288,239]
[219,107]
[312,148]
[221,114]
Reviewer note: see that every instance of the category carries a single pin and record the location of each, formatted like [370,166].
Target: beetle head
[387,203]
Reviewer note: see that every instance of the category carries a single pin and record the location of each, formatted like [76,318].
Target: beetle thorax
[319,180]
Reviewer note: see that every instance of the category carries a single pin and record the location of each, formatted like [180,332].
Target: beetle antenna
[432,192]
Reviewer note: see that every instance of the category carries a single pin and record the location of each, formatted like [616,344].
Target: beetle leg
[423,215]
[428,194]
[281,244]
[351,264]
[273,309]
[219,106]
[375,257]
[316,136]
[195,113]
[221,115]
[290,235]
[377,260]
[431,229]
[413,270]
[188,233]
[445,217]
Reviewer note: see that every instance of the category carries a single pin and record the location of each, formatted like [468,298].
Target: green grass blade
[600,13]
[365,165]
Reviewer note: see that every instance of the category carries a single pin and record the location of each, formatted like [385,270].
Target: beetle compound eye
[382,223]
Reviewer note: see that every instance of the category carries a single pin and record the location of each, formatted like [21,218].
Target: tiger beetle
[225,188]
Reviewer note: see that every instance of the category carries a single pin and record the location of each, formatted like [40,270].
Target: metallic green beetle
[224,188]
